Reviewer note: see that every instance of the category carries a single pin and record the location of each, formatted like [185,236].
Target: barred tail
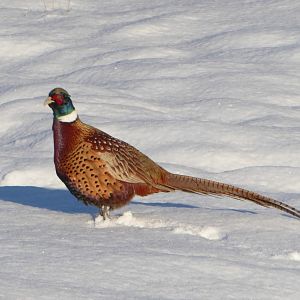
[210,187]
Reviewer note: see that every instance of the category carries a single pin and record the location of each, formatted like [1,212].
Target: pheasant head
[61,104]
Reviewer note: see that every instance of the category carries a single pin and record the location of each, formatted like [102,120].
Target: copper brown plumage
[107,172]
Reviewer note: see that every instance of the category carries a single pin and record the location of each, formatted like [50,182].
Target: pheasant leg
[104,212]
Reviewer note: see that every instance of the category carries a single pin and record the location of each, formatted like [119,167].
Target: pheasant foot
[104,212]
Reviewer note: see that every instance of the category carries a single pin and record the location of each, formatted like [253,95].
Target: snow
[205,88]
[127,219]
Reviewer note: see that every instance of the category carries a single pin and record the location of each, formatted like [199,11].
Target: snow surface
[206,88]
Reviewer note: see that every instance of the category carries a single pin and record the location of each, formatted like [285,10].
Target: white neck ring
[71,117]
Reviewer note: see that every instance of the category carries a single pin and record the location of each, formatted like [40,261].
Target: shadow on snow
[52,199]
[61,200]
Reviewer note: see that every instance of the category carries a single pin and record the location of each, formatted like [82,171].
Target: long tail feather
[210,187]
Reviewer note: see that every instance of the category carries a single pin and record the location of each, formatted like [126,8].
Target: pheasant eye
[59,99]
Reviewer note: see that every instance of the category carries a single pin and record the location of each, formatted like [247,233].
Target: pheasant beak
[48,101]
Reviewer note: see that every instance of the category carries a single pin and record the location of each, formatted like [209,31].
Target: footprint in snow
[127,219]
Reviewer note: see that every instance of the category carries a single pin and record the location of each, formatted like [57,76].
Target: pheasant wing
[125,163]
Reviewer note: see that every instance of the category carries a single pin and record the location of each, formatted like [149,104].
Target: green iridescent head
[60,102]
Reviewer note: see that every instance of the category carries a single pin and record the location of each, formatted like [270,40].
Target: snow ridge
[206,88]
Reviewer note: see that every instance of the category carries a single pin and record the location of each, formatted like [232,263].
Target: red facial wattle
[59,99]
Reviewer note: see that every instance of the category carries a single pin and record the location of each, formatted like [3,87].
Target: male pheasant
[107,172]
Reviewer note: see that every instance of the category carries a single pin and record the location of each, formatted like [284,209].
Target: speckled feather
[102,170]
[97,168]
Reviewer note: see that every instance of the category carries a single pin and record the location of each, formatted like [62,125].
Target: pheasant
[104,171]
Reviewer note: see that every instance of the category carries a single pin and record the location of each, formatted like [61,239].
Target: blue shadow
[164,204]
[52,199]
[60,200]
